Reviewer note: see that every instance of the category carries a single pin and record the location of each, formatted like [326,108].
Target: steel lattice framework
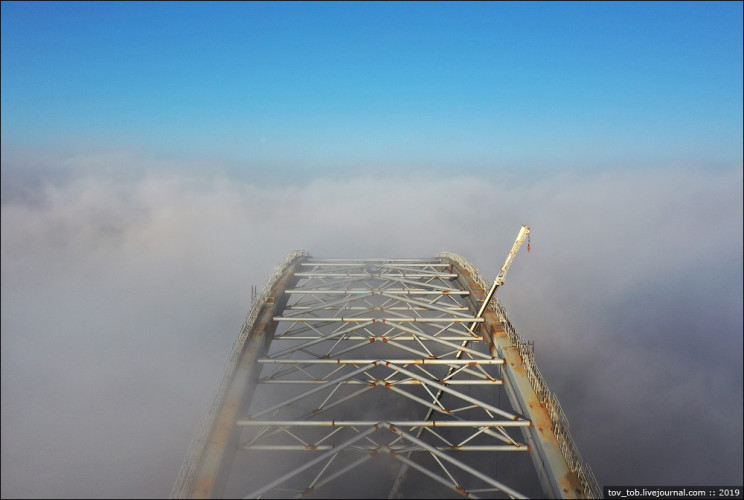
[376,378]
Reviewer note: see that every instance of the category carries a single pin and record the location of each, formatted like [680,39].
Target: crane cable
[528,242]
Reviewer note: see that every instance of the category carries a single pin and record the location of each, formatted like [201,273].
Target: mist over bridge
[381,378]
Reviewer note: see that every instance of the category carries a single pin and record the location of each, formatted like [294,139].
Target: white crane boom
[510,258]
[499,280]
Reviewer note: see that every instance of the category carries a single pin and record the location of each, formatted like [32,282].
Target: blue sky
[341,86]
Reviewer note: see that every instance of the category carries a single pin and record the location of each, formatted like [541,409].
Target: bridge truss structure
[375,378]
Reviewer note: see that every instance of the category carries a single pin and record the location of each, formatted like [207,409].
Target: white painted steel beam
[373,291]
[396,260]
[360,382]
[389,308]
[389,319]
[399,423]
[382,338]
[385,265]
[375,275]
[384,362]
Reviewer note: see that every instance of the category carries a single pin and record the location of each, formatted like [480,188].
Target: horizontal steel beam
[326,447]
[375,275]
[400,423]
[377,291]
[386,265]
[379,338]
[385,362]
[494,381]
[409,319]
[363,308]
[374,259]
[421,303]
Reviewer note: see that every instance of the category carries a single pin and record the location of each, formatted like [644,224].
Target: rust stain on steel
[201,486]
[537,413]
[222,440]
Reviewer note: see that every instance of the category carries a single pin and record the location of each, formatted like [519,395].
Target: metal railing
[196,448]
[560,423]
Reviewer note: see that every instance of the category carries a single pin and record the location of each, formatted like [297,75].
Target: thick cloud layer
[120,301]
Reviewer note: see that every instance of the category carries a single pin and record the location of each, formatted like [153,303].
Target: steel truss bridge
[375,378]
